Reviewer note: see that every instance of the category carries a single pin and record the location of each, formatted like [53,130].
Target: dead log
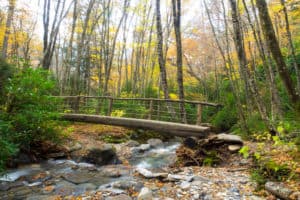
[175,129]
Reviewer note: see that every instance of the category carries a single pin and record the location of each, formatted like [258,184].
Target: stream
[67,177]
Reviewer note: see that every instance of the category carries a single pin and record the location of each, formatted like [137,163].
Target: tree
[273,46]
[291,45]
[50,36]
[10,14]
[161,62]
[176,5]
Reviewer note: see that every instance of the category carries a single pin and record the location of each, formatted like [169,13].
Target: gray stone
[145,194]
[185,185]
[44,197]
[140,149]
[119,197]
[104,155]
[177,177]
[126,184]
[77,146]
[87,186]
[4,186]
[132,143]
[56,155]
[234,148]
[278,189]
[190,142]
[148,174]
[78,177]
[229,138]
[200,178]
[155,142]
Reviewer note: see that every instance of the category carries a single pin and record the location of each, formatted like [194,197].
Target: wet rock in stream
[104,155]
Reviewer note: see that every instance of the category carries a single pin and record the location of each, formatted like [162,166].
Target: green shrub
[30,108]
[27,112]
[8,148]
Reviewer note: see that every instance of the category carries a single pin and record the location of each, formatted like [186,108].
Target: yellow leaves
[173,96]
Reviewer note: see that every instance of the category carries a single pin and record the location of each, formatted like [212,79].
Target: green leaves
[244,151]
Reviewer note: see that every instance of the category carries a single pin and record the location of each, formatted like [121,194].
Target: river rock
[119,197]
[126,184]
[87,186]
[177,177]
[4,186]
[140,149]
[234,148]
[78,177]
[154,142]
[148,174]
[278,189]
[132,143]
[229,138]
[77,146]
[145,194]
[44,197]
[190,142]
[104,155]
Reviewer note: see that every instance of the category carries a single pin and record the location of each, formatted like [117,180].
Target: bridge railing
[140,108]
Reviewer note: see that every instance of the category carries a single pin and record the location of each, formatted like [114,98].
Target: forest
[240,55]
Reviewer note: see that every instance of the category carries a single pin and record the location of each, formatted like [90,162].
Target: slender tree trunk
[275,101]
[239,44]
[10,14]
[291,45]
[161,62]
[176,5]
[274,48]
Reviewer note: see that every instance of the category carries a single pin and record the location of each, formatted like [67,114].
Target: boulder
[154,142]
[278,189]
[145,194]
[104,155]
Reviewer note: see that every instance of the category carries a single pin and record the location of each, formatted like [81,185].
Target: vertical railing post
[98,107]
[77,102]
[199,114]
[110,106]
[150,109]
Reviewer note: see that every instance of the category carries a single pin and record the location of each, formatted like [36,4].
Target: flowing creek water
[67,177]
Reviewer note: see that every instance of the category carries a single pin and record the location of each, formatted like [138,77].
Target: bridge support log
[175,129]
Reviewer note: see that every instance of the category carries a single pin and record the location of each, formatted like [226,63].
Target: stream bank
[134,170]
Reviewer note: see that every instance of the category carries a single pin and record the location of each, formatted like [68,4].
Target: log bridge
[161,115]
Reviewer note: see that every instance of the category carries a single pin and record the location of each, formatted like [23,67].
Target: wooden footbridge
[162,115]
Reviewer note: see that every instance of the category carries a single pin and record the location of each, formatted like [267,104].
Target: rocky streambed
[135,171]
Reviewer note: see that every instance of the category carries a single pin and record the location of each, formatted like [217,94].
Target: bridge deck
[175,129]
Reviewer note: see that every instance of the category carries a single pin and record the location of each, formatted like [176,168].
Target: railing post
[150,109]
[98,107]
[77,102]
[110,105]
[199,114]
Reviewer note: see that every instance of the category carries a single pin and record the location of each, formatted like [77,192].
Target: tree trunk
[239,45]
[10,14]
[176,4]
[272,43]
[291,45]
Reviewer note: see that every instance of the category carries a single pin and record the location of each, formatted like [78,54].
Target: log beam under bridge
[176,129]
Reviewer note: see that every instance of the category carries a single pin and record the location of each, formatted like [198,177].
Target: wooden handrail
[146,99]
